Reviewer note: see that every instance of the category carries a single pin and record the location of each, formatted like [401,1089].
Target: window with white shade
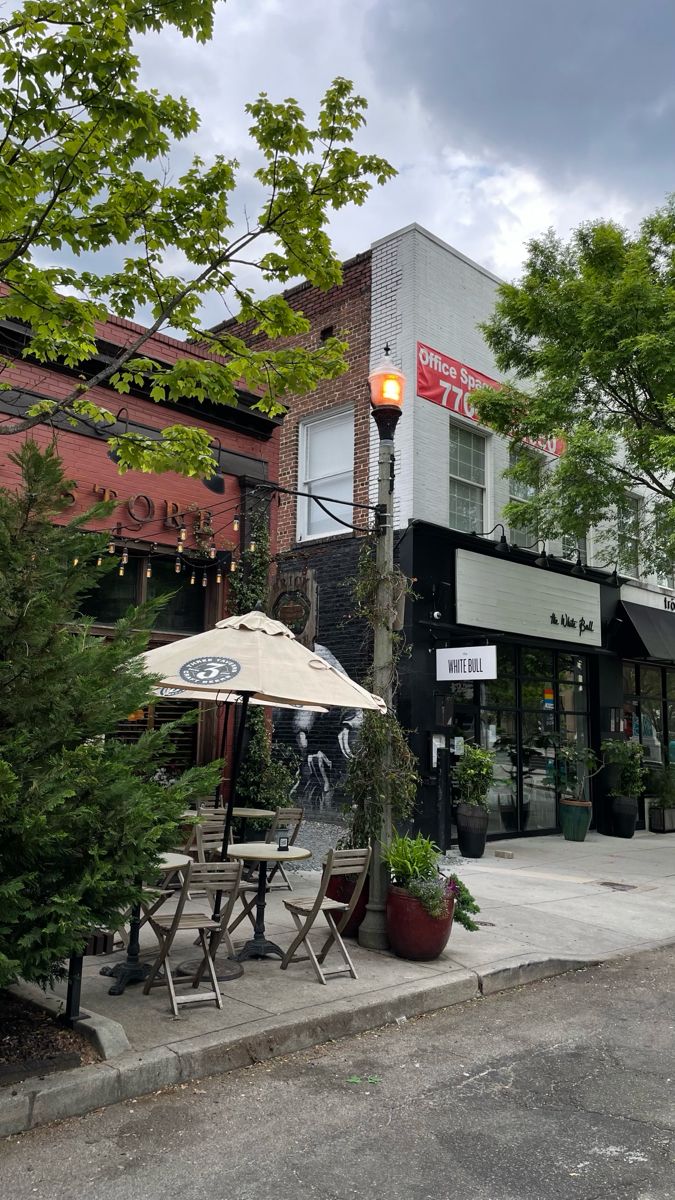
[325,469]
[467,479]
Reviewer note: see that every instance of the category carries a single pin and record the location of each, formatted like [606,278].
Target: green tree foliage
[587,339]
[90,214]
[81,813]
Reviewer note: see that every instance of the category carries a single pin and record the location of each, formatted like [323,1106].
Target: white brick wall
[423,290]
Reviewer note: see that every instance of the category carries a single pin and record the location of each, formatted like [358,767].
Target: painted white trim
[302,507]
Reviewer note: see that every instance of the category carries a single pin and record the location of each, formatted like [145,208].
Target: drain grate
[490,923]
[618,887]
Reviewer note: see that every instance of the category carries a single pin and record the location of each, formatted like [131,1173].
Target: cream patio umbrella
[253,658]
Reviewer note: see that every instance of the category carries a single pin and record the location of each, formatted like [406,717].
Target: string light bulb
[120,570]
[251,547]
[235,524]
[219,576]
[193,577]
[99,560]
[111,546]
[212,550]
[178,566]
[125,556]
[182,533]
[233,567]
[148,570]
[179,548]
[75,561]
[204,579]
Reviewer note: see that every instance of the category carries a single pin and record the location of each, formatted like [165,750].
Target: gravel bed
[319,837]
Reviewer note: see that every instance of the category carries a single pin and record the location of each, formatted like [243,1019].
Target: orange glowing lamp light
[387,385]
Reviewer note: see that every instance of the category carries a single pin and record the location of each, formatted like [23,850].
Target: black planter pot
[624,816]
[472,823]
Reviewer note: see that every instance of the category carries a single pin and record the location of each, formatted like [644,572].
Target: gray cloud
[575,90]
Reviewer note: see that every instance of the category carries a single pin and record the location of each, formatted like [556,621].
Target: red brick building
[169,533]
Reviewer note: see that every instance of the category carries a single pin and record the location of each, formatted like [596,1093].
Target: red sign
[447,382]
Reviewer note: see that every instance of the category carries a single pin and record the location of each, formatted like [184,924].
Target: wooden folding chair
[209,840]
[287,821]
[213,878]
[305,910]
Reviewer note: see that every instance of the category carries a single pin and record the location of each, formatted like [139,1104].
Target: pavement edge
[74,1093]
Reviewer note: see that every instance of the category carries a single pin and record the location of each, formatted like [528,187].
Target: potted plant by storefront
[474,775]
[576,766]
[630,772]
[421,902]
[661,792]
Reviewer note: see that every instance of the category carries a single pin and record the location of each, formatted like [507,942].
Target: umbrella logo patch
[209,670]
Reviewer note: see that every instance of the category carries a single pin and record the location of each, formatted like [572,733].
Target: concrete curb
[130,1074]
[107,1036]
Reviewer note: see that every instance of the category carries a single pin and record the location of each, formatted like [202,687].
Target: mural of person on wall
[325,742]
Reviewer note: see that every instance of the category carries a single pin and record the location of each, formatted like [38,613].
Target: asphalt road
[562,1089]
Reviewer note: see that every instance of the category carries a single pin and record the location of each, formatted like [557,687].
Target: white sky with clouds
[503,117]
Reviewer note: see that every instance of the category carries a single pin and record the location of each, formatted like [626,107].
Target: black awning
[655,629]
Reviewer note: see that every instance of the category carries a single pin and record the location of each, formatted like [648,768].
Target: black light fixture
[502,546]
[216,483]
[578,569]
[543,559]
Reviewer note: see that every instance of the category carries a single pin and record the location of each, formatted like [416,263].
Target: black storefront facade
[580,657]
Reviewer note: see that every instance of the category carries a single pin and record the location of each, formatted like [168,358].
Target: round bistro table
[263,853]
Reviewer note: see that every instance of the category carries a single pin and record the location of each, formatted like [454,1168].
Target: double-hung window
[325,469]
[629,535]
[467,479]
[519,489]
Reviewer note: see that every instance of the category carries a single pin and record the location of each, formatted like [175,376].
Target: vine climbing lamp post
[387,386]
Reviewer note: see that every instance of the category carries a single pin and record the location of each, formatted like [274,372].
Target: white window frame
[638,501]
[302,511]
[485,485]
[541,458]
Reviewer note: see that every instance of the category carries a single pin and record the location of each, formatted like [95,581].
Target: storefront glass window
[499,732]
[537,663]
[184,610]
[646,714]
[114,593]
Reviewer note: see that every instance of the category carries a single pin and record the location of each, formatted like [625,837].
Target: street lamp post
[387,386]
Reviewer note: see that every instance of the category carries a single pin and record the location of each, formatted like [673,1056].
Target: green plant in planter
[576,765]
[628,757]
[661,788]
[661,792]
[413,865]
[474,775]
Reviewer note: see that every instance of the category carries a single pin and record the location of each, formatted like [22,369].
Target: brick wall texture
[345,311]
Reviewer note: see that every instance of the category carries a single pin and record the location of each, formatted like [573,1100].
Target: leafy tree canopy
[587,339]
[90,216]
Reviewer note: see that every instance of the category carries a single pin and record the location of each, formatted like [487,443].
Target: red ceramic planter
[411,931]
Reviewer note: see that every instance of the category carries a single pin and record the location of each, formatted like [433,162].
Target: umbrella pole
[223,753]
[236,764]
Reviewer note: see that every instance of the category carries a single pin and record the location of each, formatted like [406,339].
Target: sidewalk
[553,906]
